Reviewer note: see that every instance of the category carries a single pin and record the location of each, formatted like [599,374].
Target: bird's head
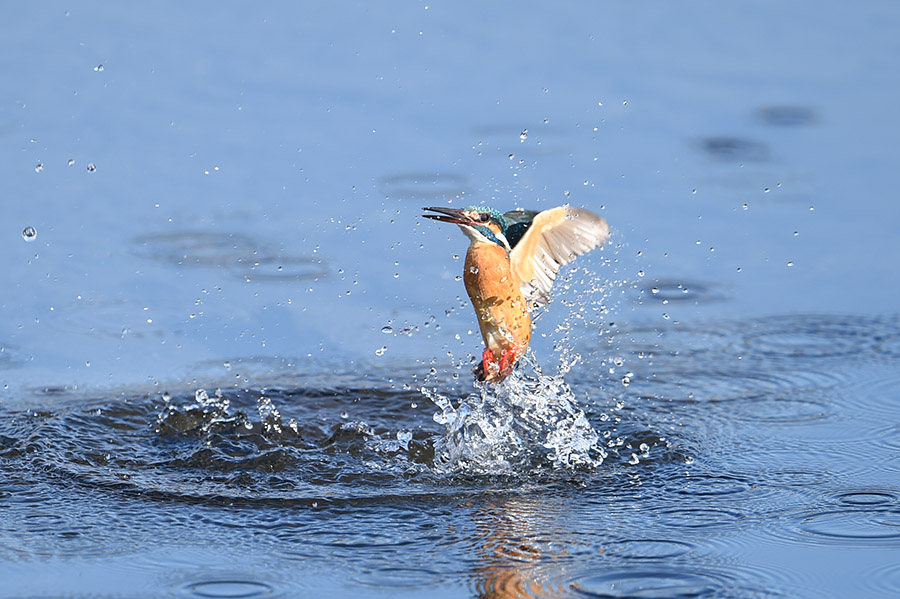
[479,223]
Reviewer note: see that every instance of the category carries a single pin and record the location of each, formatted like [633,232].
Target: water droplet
[523,135]
[811,208]
[39,167]
[739,269]
[98,68]
[640,273]
[91,167]
[29,234]
[654,290]
[796,233]
[790,263]
[744,206]
[688,460]
[665,315]
[766,190]
[71,162]
[345,415]
[387,329]
[380,351]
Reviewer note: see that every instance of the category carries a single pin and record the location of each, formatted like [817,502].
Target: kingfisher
[512,260]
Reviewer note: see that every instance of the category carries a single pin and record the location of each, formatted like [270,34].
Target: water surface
[235,362]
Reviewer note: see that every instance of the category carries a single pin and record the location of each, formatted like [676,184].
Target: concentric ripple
[229,589]
[818,336]
[857,525]
[667,582]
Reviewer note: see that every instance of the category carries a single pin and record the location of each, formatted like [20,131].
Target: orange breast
[496,294]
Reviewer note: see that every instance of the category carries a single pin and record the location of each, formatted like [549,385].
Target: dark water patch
[707,518]
[683,582]
[867,497]
[787,116]
[793,478]
[680,290]
[196,247]
[651,549]
[818,335]
[425,186]
[725,148]
[652,341]
[757,389]
[781,409]
[398,578]
[858,526]
[281,268]
[230,589]
[239,254]
[711,486]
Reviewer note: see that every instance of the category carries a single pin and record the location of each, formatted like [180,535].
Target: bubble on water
[29,233]
[91,167]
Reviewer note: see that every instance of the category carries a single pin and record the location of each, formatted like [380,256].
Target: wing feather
[555,237]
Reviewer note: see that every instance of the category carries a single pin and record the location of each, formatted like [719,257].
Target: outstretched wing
[555,237]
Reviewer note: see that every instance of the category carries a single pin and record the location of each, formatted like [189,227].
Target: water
[235,362]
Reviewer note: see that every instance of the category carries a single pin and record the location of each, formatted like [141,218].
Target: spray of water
[532,420]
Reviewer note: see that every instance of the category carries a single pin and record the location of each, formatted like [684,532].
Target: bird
[510,265]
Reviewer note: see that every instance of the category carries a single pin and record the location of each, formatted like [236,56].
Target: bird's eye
[484,217]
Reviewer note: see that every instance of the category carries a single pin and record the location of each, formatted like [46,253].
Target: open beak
[449,215]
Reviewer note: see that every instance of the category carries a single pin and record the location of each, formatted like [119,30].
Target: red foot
[487,358]
[507,359]
[493,370]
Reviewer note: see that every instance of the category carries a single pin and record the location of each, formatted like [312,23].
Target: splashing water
[529,421]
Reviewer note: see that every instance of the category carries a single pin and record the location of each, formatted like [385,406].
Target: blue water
[235,361]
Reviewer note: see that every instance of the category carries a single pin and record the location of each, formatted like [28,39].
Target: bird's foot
[492,370]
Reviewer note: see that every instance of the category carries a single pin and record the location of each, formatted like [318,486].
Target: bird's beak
[449,215]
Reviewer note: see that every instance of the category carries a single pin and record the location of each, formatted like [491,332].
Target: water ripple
[229,589]
[666,582]
[818,335]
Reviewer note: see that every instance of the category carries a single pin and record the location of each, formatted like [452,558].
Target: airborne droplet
[29,234]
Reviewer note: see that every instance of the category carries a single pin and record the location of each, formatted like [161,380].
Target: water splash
[530,421]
